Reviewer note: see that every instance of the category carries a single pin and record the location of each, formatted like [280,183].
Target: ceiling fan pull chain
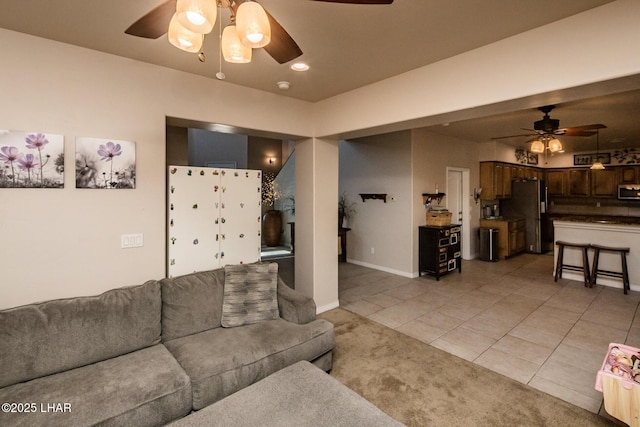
[220,75]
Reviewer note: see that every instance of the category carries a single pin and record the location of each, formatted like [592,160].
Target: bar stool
[560,265]
[624,274]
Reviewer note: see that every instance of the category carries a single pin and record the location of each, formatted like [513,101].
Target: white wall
[379,164]
[60,243]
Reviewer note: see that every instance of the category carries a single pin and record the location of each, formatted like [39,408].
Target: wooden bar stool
[624,274]
[560,265]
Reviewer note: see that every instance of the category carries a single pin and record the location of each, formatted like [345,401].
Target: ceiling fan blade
[282,47]
[358,1]
[514,136]
[155,23]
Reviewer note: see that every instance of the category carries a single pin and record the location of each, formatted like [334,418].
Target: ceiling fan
[548,127]
[282,47]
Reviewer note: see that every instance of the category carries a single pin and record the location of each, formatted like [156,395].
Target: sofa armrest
[295,307]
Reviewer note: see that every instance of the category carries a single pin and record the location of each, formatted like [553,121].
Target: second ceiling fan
[281,47]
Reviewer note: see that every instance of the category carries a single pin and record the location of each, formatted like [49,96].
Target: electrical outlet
[373,251]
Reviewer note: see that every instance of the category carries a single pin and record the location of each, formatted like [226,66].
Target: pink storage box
[616,381]
[608,369]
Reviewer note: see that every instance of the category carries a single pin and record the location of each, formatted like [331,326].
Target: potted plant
[345,210]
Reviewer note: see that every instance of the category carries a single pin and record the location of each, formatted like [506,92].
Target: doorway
[458,204]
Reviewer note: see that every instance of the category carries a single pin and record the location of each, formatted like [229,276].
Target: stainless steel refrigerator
[528,200]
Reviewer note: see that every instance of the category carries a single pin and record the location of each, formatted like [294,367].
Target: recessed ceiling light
[299,66]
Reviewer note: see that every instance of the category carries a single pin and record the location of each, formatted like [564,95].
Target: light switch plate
[131,241]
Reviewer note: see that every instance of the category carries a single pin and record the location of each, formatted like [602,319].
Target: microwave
[629,192]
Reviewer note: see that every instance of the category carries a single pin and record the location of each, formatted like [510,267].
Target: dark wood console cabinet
[439,250]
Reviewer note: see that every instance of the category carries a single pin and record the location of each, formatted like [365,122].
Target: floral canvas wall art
[31,160]
[105,163]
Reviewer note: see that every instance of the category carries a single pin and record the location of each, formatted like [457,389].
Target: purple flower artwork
[31,160]
[105,163]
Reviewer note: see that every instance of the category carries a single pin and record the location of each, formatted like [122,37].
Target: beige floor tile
[440,320]
[585,402]
[536,335]
[363,308]
[422,331]
[508,365]
[407,291]
[463,343]
[523,349]
[590,358]
[586,335]
[400,314]
[539,290]
[570,374]
[573,299]
[383,300]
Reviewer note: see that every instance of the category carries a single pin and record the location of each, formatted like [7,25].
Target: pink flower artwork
[42,170]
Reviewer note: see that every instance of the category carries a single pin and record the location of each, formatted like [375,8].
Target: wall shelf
[374,196]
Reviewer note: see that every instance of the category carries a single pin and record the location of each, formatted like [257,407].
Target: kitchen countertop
[502,218]
[596,219]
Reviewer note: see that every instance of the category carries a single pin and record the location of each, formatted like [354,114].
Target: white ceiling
[346,46]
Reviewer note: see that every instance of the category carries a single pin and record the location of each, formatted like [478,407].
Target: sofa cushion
[144,388]
[191,303]
[222,361]
[53,336]
[250,294]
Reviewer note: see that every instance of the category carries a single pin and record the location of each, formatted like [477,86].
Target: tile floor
[508,316]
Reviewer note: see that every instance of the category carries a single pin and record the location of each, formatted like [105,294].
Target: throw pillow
[250,294]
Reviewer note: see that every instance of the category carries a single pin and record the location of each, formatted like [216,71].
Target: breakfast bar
[605,233]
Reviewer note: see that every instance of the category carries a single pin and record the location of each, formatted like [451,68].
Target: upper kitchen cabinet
[556,182]
[628,175]
[604,183]
[579,183]
[496,178]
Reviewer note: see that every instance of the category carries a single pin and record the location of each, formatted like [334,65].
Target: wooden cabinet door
[498,179]
[579,182]
[507,179]
[556,183]
[487,181]
[628,174]
[604,183]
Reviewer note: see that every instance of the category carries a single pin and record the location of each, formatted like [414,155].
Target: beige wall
[432,154]
[380,235]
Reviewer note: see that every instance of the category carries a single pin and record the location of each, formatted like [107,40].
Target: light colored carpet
[420,385]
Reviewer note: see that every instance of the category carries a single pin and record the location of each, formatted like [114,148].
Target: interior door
[457,187]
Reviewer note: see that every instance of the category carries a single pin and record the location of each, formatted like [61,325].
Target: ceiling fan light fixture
[198,16]
[253,25]
[232,49]
[183,38]
[555,145]
[537,146]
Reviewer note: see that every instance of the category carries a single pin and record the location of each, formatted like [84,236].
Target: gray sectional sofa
[149,354]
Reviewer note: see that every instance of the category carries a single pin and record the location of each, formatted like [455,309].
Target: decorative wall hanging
[588,159]
[105,163]
[526,157]
[627,156]
[31,160]
[213,218]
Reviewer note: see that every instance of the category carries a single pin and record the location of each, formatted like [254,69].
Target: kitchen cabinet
[511,235]
[628,175]
[496,178]
[579,182]
[604,183]
[556,180]
[439,250]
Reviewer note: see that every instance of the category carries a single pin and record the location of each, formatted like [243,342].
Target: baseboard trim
[385,269]
[327,307]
